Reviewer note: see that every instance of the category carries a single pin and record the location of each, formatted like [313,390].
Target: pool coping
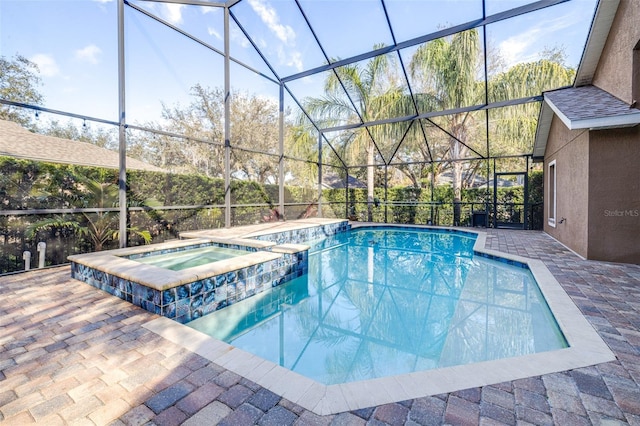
[586,348]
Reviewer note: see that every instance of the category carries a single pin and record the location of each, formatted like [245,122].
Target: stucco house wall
[614,171]
[614,195]
[570,150]
[615,68]
[598,165]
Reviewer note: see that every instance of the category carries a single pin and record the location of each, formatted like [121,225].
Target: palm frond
[52,223]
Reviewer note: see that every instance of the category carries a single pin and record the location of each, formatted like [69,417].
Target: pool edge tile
[234,359]
[188,338]
[256,372]
[272,377]
[333,402]
[364,394]
[312,396]
[291,385]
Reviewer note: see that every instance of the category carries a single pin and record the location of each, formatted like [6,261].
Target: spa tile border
[191,300]
[274,256]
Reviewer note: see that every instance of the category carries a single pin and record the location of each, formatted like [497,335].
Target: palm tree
[445,75]
[374,93]
[101,226]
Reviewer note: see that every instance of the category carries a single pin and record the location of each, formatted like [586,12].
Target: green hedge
[420,207]
[26,184]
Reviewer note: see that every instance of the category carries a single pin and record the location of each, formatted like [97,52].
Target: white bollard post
[26,256]
[42,248]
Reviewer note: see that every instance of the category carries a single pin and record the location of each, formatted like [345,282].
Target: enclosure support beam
[486,98]
[281,149]
[433,185]
[501,16]
[227,124]
[386,187]
[346,194]
[526,196]
[319,174]
[122,135]
[495,195]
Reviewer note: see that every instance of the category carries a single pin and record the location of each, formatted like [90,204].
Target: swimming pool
[585,346]
[379,302]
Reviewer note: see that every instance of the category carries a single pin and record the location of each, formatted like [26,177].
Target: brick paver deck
[71,354]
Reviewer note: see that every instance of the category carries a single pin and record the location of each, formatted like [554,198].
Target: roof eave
[598,34]
[542,131]
[602,123]
[549,109]
[596,123]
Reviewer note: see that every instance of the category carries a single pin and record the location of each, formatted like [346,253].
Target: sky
[74,44]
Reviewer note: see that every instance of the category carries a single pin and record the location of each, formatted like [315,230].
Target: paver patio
[71,354]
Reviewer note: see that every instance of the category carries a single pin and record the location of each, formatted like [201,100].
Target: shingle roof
[584,106]
[333,181]
[16,141]
[589,107]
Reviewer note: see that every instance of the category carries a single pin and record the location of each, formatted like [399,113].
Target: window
[552,193]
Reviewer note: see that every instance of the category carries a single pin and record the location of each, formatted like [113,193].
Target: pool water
[183,259]
[381,301]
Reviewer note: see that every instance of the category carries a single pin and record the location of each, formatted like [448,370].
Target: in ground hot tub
[186,279]
[189,258]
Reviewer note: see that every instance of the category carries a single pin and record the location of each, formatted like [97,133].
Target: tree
[514,128]
[201,120]
[300,143]
[107,139]
[445,74]
[101,226]
[254,126]
[376,93]
[19,82]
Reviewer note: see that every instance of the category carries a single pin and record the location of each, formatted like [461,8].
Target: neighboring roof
[600,27]
[333,181]
[18,142]
[585,106]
